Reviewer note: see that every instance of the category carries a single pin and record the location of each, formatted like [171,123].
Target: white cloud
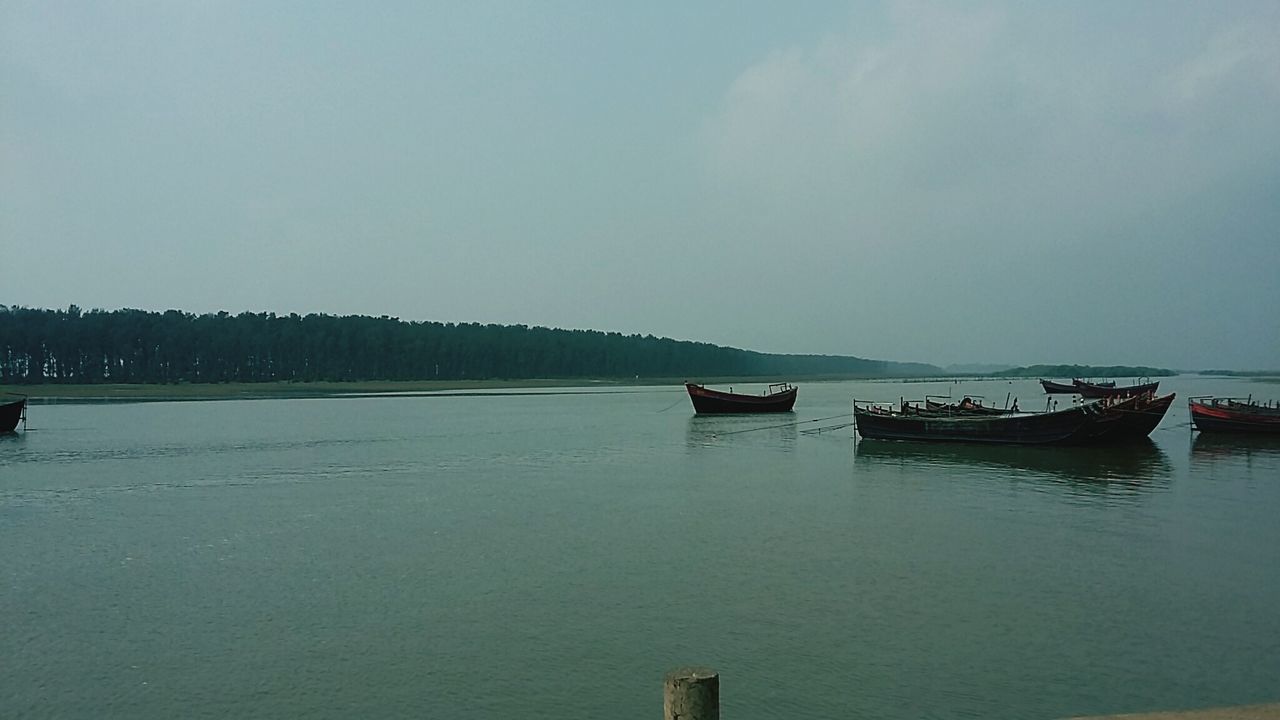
[1248,53]
[952,98]
[1032,145]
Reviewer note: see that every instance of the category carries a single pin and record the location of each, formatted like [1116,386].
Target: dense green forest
[136,346]
[1086,371]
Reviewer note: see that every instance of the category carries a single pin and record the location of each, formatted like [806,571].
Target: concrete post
[691,694]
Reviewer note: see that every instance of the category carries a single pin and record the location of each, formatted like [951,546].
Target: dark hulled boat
[1057,388]
[1096,390]
[1210,414]
[780,397]
[11,413]
[1140,415]
[1105,421]
[1076,425]
[967,406]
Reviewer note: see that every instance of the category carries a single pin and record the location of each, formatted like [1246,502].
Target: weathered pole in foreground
[691,694]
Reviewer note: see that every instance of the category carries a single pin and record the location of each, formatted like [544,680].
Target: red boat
[11,413]
[1213,414]
[780,397]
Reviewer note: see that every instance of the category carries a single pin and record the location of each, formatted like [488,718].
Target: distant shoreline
[156,392]
[148,392]
[141,392]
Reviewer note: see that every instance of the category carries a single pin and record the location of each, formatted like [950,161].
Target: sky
[969,182]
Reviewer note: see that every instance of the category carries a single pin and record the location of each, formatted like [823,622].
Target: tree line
[1085,371]
[138,346]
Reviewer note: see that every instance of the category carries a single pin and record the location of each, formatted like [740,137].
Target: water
[551,555]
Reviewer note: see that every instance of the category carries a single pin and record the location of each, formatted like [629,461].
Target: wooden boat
[1056,388]
[1139,415]
[1077,425]
[780,397]
[1096,390]
[967,406]
[1212,414]
[12,412]
[1253,406]
[1106,421]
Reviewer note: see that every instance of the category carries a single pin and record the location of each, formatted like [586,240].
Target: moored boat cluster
[1115,414]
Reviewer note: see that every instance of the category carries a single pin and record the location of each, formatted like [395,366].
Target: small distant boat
[1057,388]
[780,397]
[12,412]
[1095,390]
[1214,414]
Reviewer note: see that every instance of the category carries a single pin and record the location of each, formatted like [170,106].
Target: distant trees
[1086,371]
[136,346]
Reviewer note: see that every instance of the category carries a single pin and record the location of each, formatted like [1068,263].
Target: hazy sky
[1094,182]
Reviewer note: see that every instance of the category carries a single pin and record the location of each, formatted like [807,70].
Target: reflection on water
[1139,464]
[1209,449]
[13,444]
[777,429]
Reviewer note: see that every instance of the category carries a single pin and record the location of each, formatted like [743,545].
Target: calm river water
[551,554]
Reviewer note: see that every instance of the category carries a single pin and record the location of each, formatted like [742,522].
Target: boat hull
[11,414]
[1054,388]
[1107,421]
[1092,391]
[715,402]
[1141,416]
[1215,418]
[1080,425]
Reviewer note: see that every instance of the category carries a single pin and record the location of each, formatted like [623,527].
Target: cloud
[1035,145]
[954,98]
[1247,53]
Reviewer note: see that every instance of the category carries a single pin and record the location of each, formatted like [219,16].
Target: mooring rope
[671,405]
[824,428]
[790,424]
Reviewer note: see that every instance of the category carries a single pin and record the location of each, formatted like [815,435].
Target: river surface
[550,554]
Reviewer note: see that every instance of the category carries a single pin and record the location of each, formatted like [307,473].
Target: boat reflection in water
[1212,448]
[1137,465]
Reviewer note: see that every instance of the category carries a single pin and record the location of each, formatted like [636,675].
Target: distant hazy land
[139,355]
[71,347]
